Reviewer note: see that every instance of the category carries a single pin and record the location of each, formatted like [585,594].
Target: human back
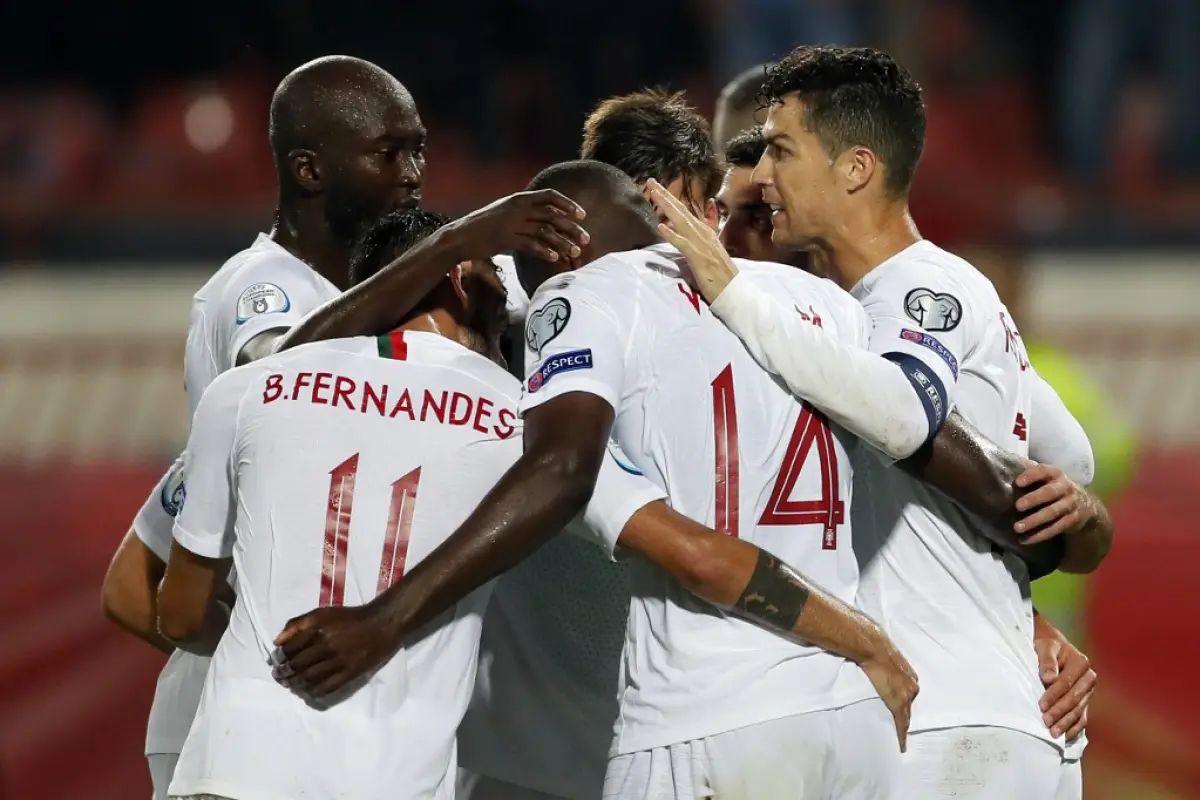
[733,450]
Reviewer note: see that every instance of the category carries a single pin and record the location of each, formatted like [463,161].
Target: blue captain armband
[928,386]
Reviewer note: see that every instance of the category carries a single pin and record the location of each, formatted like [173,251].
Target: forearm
[373,306]
[980,476]
[779,598]
[532,502]
[200,638]
[129,594]
[137,615]
[865,393]
[1088,546]
[737,576]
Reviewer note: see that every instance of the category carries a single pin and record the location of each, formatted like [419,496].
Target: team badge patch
[173,491]
[925,340]
[933,311]
[259,299]
[618,455]
[563,362]
[546,323]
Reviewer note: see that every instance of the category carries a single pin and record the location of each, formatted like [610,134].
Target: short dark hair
[856,96]
[746,149]
[741,93]
[390,238]
[653,134]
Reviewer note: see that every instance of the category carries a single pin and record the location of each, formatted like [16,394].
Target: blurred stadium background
[1063,156]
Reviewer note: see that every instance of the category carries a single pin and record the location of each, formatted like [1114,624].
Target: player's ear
[459,280]
[306,170]
[858,166]
[711,217]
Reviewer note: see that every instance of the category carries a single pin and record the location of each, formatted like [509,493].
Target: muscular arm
[737,576]
[261,346]
[373,306]
[552,481]
[191,611]
[129,591]
[543,223]
[981,476]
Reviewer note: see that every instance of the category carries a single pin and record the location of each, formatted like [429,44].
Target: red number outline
[810,431]
[338,513]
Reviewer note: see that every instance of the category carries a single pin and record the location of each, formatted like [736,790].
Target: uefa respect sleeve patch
[563,362]
[927,341]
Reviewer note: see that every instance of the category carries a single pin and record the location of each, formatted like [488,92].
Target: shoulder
[799,287]
[261,281]
[930,286]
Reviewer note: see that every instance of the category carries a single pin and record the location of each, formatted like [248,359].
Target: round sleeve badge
[259,299]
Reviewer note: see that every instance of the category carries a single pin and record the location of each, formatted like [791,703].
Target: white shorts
[849,753]
[477,787]
[162,768]
[983,763]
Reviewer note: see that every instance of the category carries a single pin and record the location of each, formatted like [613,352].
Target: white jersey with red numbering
[734,450]
[325,473]
[955,606]
[261,288]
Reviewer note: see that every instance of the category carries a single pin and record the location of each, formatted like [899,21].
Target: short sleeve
[204,524]
[156,518]
[621,491]
[266,294]
[574,343]
[1055,436]
[921,321]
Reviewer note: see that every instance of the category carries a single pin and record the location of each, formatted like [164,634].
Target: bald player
[738,107]
[348,145]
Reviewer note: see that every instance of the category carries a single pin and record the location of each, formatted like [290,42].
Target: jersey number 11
[337,530]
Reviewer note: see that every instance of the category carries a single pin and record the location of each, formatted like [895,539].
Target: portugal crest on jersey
[546,323]
[261,298]
[933,311]
[173,491]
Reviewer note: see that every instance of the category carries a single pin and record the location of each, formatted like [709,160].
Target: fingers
[1037,473]
[666,204]
[552,238]
[902,720]
[671,236]
[559,201]
[1068,700]
[1073,715]
[1048,515]
[1047,652]
[1064,524]
[1048,492]
[1076,730]
[294,626]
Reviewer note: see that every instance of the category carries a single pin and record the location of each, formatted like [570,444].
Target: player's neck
[867,240]
[305,234]
[440,322]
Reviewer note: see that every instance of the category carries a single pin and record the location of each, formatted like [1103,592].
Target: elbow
[179,624]
[117,606]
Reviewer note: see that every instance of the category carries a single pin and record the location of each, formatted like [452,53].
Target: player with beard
[348,145]
[845,131]
[744,218]
[565,438]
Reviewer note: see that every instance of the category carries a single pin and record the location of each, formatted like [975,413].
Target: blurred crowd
[1047,120]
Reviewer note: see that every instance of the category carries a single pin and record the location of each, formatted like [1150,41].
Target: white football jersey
[261,288]
[734,450]
[955,606]
[414,430]
[409,444]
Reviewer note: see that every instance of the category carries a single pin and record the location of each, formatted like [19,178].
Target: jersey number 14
[337,530]
[810,433]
